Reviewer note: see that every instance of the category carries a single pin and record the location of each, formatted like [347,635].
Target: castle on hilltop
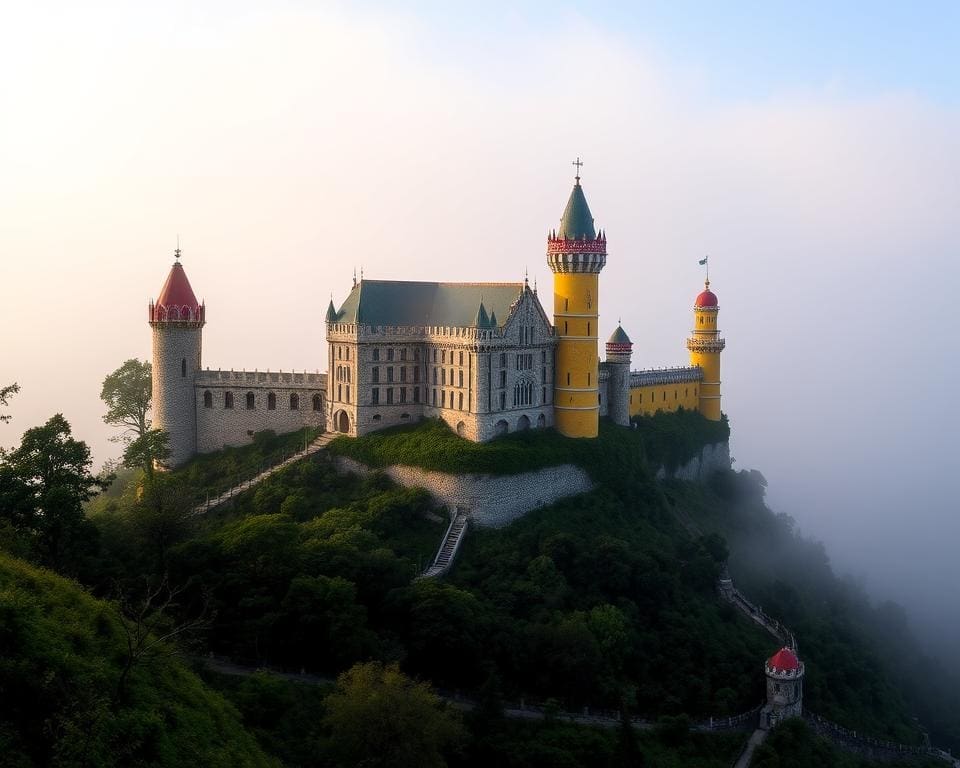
[486,358]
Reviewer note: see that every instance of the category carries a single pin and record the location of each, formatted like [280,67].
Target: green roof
[482,321]
[577,222]
[619,336]
[407,303]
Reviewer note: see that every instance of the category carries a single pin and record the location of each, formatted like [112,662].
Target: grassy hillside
[61,656]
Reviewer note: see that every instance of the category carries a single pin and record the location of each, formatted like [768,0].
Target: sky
[811,151]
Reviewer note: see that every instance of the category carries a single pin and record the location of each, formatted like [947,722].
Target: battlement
[657,376]
[221,378]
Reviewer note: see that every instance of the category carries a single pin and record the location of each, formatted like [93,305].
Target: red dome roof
[707,298]
[784,660]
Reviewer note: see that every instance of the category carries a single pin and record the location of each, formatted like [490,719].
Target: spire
[482,320]
[577,221]
[493,319]
[331,312]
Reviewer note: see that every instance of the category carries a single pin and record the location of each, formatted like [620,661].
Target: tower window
[251,401]
[565,328]
[375,374]
[295,401]
[460,379]
[271,401]
[376,353]
[403,355]
[317,403]
[588,379]
[566,305]
[588,327]
[228,399]
[390,395]
[461,358]
[207,399]
[460,401]
[183,368]
[403,394]
[390,355]
[568,379]
[375,396]
[416,394]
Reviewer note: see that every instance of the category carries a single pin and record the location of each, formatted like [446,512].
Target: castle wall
[667,389]
[219,426]
[176,358]
[492,501]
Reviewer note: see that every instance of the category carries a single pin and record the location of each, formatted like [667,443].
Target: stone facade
[489,500]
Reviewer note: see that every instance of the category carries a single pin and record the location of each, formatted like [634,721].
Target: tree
[380,718]
[49,476]
[127,392]
[5,394]
[147,450]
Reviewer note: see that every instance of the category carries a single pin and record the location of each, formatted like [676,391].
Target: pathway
[448,546]
[321,442]
[756,739]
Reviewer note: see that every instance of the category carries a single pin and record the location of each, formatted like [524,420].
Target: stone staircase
[448,547]
[321,442]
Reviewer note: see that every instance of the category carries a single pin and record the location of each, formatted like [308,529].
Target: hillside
[62,653]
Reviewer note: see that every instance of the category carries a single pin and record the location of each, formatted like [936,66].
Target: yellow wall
[576,395]
[664,397]
[705,327]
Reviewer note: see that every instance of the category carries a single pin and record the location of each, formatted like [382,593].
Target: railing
[847,737]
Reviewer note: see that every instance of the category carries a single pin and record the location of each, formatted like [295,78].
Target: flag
[703,260]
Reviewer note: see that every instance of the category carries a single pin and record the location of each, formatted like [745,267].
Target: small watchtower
[784,673]
[176,320]
[619,350]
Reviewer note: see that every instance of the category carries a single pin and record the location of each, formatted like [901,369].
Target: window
[543,357]
[434,376]
[460,401]
[543,394]
[317,403]
[566,305]
[251,401]
[664,395]
[183,368]
[503,400]
[503,359]
[348,353]
[443,398]
[207,399]
[339,353]
[588,379]
[295,400]
[443,355]
[389,395]
[543,375]
[416,394]
[588,327]
[340,392]
[375,374]
[390,355]
[376,354]
[416,375]
[228,399]
[443,376]
[565,328]
[434,355]
[674,394]
[271,402]
[390,374]
[459,378]
[403,373]
[568,379]
[403,355]
[503,378]
[403,394]
[375,396]
[416,354]
[461,358]
[434,398]
[348,393]
[377,417]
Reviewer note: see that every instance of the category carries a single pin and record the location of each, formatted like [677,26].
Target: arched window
[294,402]
[228,399]
[588,327]
[460,401]
[251,401]
[183,368]
[460,378]
[317,403]
[271,401]
[207,399]
[173,314]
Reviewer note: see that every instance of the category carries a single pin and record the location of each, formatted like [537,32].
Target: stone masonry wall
[710,459]
[492,500]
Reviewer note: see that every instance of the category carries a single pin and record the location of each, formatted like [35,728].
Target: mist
[289,147]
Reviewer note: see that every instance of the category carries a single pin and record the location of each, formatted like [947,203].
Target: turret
[705,345]
[619,349]
[576,253]
[784,672]
[176,319]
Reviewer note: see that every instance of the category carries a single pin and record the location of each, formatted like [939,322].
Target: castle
[486,358]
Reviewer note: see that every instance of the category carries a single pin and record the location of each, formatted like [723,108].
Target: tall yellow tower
[705,345]
[576,253]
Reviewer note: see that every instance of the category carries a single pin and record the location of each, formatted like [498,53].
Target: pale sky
[813,154]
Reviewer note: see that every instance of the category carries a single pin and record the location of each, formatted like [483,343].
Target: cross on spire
[579,164]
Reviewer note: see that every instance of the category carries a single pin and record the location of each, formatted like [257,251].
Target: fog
[289,147]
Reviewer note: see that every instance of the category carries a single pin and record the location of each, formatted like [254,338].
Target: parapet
[657,376]
[221,378]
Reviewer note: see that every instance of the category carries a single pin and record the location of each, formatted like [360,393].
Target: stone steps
[448,547]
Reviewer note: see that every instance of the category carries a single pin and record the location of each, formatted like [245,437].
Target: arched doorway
[461,428]
[500,428]
[523,423]
[541,421]
[343,422]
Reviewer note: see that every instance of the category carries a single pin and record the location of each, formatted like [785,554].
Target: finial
[579,164]
[354,277]
[361,273]
[526,277]
[534,284]
[176,253]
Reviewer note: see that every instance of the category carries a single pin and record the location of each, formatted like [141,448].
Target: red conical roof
[176,291]
[784,660]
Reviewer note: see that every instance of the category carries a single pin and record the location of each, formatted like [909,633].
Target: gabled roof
[413,304]
[577,221]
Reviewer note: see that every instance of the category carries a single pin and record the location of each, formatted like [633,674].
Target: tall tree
[150,448]
[5,394]
[126,392]
[53,470]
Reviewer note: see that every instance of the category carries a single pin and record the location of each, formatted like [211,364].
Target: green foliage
[671,439]
[149,448]
[61,657]
[127,392]
[379,717]
[6,393]
[44,484]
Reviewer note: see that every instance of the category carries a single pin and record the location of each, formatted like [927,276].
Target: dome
[619,336]
[784,660]
[707,298]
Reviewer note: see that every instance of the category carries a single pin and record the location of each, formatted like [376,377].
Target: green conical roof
[493,319]
[331,312]
[482,320]
[577,222]
[619,336]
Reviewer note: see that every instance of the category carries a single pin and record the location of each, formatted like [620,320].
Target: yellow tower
[705,345]
[576,253]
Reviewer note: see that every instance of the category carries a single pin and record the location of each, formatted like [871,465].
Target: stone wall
[492,500]
[176,359]
[710,459]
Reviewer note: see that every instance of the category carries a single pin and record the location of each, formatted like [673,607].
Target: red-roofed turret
[177,302]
